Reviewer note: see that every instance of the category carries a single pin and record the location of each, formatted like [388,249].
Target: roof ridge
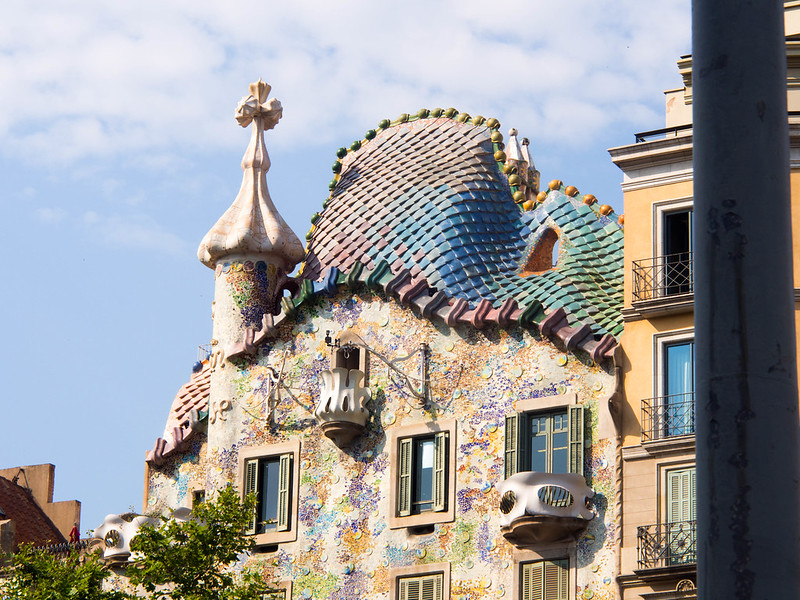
[415,292]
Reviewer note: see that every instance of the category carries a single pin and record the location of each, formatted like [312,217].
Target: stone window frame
[267,451]
[560,551]
[394,435]
[549,404]
[662,208]
[429,569]
[660,341]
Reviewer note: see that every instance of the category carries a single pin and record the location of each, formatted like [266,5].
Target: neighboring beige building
[658,557]
[28,514]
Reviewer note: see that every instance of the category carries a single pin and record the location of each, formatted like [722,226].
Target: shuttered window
[681,507]
[421,587]
[549,442]
[270,479]
[422,474]
[545,580]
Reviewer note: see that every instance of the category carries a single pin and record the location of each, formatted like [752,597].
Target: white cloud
[50,215]
[152,78]
[139,232]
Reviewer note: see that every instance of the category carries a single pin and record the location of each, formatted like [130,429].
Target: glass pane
[679,368]
[268,494]
[539,444]
[423,475]
[678,388]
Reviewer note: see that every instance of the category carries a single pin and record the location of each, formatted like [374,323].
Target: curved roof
[428,196]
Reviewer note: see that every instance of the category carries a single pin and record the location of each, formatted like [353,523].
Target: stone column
[746,389]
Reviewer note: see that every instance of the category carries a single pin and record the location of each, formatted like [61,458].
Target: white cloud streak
[153,78]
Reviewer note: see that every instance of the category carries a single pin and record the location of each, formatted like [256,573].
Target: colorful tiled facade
[451,331]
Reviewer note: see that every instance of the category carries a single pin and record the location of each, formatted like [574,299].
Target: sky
[119,150]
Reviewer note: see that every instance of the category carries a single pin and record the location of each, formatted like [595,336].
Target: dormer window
[544,255]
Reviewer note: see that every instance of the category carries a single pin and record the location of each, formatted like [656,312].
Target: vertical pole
[747,404]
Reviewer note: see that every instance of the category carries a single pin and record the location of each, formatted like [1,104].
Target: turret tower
[252,252]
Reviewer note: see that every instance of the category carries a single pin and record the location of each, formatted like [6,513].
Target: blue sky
[119,151]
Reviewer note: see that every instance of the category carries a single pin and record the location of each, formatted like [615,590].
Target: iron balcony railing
[667,544]
[663,276]
[667,416]
[65,548]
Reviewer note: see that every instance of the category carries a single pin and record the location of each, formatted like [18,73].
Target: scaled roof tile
[428,196]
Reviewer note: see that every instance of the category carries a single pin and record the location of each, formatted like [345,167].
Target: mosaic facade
[344,546]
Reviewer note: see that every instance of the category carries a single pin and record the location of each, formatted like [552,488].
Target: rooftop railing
[663,276]
[667,545]
[667,416]
[645,136]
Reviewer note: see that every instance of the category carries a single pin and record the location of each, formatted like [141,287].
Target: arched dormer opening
[544,255]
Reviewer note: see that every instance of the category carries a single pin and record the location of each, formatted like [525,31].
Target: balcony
[663,284]
[667,417]
[667,545]
[542,508]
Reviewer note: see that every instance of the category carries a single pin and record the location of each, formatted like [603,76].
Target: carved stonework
[341,411]
[117,532]
[538,508]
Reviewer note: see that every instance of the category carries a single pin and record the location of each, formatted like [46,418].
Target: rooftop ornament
[252,226]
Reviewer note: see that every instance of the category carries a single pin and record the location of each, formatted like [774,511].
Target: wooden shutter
[512,444]
[250,486]
[556,578]
[532,581]
[424,587]
[284,491]
[576,439]
[404,478]
[681,495]
[409,588]
[440,471]
[545,580]
[431,587]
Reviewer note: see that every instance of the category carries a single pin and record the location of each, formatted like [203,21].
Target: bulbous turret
[252,228]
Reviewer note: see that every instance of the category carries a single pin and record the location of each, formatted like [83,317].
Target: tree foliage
[192,560]
[39,575]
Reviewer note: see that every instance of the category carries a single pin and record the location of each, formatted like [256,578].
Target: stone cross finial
[252,228]
[256,105]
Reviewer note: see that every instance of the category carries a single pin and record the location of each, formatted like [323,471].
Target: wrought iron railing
[66,547]
[667,416]
[645,136]
[667,545]
[663,276]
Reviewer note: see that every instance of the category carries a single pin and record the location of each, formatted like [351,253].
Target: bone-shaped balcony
[541,508]
[341,412]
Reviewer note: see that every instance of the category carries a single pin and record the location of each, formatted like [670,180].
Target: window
[549,441]
[545,580]
[198,497]
[420,582]
[677,244]
[678,388]
[269,479]
[272,474]
[681,510]
[422,474]
[673,226]
[424,587]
